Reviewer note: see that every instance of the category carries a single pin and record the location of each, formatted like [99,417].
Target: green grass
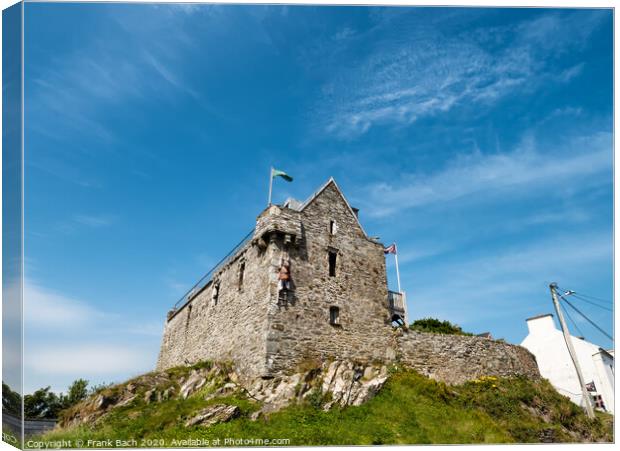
[410,409]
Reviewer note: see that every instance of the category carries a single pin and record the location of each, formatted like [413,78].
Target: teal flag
[284,175]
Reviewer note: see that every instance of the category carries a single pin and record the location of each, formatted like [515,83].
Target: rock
[125,401]
[102,402]
[366,391]
[217,413]
[225,390]
[390,354]
[150,396]
[329,376]
[167,394]
[194,382]
[547,436]
[369,372]
[346,383]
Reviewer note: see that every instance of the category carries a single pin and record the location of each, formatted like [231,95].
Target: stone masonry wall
[455,359]
[231,329]
[300,329]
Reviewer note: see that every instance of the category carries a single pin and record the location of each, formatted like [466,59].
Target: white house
[547,344]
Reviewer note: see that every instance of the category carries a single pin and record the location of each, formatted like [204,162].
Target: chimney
[356,211]
[541,324]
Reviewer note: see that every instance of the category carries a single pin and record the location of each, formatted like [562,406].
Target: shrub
[433,325]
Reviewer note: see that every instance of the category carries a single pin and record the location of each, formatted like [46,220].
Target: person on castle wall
[284,277]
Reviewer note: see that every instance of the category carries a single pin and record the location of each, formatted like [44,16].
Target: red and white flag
[390,249]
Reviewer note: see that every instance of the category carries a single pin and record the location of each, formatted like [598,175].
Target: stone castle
[309,283]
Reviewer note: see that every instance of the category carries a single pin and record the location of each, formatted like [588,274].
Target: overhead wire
[576,296]
[585,298]
[586,318]
[574,323]
[593,297]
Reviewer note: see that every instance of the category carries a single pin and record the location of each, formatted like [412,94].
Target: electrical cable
[593,297]
[587,319]
[574,323]
[576,296]
[583,297]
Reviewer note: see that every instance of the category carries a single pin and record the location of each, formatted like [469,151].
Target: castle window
[334,316]
[241,272]
[333,227]
[215,294]
[332,262]
[189,315]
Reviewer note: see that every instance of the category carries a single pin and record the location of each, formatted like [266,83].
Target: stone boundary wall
[455,359]
[31,426]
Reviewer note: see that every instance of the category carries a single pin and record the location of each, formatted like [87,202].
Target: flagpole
[397,272]
[270,184]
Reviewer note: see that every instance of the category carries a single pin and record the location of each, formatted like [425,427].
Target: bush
[435,326]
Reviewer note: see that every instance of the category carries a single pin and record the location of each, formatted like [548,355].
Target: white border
[472,3]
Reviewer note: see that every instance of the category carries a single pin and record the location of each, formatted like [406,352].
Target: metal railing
[396,301]
[204,280]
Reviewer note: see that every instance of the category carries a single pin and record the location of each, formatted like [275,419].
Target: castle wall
[455,359]
[232,329]
[301,328]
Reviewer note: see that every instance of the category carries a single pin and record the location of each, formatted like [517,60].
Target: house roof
[331,181]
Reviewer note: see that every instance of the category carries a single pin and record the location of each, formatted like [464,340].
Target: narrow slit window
[189,315]
[216,293]
[333,228]
[241,274]
[332,263]
[334,316]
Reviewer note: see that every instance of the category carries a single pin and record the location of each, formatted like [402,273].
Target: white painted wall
[547,344]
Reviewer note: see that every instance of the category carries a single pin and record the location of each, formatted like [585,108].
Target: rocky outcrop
[150,388]
[218,413]
[352,385]
[342,383]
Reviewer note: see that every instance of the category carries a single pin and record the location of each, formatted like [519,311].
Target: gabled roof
[323,188]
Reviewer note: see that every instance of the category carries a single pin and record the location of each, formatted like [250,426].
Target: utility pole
[569,344]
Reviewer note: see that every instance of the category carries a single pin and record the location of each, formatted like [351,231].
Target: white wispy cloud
[429,74]
[570,73]
[68,337]
[525,170]
[49,309]
[94,220]
[167,74]
[87,360]
[70,93]
[508,282]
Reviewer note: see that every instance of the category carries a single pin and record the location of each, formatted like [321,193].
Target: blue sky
[480,140]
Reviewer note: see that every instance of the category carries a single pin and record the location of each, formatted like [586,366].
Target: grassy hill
[410,409]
